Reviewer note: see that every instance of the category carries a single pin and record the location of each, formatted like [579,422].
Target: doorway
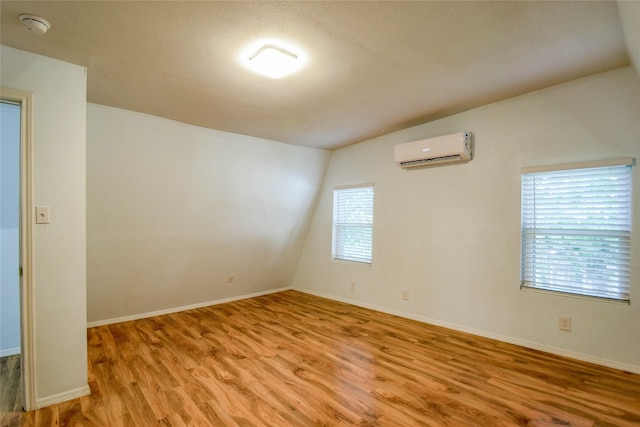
[16,300]
[9,229]
[10,261]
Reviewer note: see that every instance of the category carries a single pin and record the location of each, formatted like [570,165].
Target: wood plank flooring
[291,359]
[10,391]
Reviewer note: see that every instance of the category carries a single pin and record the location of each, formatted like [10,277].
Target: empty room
[280,213]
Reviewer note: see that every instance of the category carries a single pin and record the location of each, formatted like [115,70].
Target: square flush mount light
[274,61]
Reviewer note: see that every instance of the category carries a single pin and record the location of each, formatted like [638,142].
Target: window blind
[576,231]
[353,224]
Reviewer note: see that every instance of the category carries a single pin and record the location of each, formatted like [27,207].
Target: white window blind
[353,223]
[576,231]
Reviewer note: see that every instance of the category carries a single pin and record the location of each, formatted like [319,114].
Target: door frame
[27,337]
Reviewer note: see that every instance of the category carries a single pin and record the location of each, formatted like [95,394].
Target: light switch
[42,214]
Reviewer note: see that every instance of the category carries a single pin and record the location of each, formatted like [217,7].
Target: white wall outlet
[564,323]
[405,294]
[42,215]
[231,278]
[353,286]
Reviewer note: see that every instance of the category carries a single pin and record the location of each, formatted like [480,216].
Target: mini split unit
[456,148]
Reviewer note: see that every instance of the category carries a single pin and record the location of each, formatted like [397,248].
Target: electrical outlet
[353,286]
[405,294]
[564,323]
[231,278]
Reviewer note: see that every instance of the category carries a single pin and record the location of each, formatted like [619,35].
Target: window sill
[346,261]
[574,296]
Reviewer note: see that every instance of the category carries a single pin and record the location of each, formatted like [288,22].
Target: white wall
[9,212]
[59,248]
[174,209]
[451,235]
[629,12]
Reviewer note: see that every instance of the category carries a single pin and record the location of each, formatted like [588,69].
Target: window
[576,229]
[353,223]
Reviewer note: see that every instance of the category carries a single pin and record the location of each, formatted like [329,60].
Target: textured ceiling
[373,67]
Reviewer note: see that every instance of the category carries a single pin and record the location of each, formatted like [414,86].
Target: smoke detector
[35,24]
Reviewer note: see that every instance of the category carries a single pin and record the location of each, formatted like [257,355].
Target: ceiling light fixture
[35,24]
[274,61]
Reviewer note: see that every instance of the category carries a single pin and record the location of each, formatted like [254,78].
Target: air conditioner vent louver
[432,160]
[456,148]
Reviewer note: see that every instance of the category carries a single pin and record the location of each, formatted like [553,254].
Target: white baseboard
[183,308]
[9,352]
[511,340]
[62,397]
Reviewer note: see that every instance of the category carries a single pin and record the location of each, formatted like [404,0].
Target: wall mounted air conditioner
[456,148]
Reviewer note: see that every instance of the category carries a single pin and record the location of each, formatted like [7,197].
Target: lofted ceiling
[372,67]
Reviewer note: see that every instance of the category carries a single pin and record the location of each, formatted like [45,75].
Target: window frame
[337,243]
[616,245]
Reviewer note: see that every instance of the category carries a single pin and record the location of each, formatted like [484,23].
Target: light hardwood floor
[10,391]
[291,359]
